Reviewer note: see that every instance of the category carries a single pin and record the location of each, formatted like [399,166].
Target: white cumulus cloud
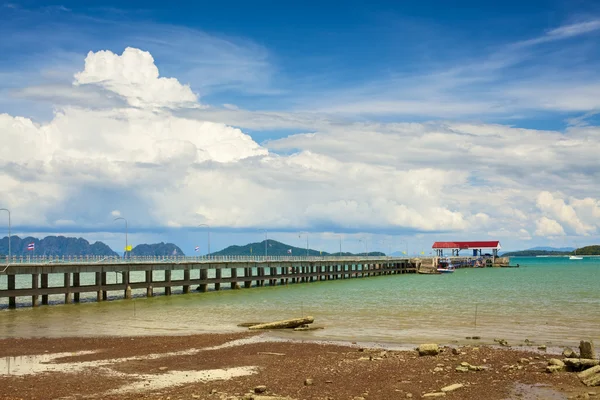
[134,76]
[548,227]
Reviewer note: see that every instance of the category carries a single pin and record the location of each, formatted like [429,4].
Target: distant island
[275,248]
[59,246]
[583,251]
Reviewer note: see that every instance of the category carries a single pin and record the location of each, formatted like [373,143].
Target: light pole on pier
[126,229]
[389,243]
[266,240]
[340,236]
[305,233]
[9,254]
[364,239]
[208,234]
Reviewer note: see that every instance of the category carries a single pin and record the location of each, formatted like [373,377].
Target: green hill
[276,248]
[584,251]
[588,251]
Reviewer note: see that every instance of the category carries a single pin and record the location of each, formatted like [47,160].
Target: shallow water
[550,300]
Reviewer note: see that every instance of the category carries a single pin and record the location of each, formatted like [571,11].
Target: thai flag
[289,251]
[197,248]
[31,246]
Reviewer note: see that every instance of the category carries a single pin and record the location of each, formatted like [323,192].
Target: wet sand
[227,366]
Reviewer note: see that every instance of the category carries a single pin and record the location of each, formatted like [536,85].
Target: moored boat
[445,267]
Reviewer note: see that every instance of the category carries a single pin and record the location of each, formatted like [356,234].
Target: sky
[387,125]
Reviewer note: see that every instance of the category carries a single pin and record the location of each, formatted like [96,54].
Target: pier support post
[67,288]
[149,289]
[248,277]
[35,278]
[76,283]
[104,291]
[259,273]
[218,275]
[203,278]
[98,283]
[234,283]
[168,281]
[44,286]
[272,273]
[283,272]
[186,278]
[12,301]
[127,293]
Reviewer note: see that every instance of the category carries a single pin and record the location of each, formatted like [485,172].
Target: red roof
[467,245]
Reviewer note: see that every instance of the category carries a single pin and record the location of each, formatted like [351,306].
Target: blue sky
[327,97]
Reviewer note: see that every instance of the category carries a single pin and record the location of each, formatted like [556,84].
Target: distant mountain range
[275,248]
[68,246]
[550,251]
[552,248]
[54,246]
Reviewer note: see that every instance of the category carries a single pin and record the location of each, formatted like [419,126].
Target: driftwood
[249,324]
[308,328]
[285,324]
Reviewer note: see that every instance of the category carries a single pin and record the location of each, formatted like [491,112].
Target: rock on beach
[429,349]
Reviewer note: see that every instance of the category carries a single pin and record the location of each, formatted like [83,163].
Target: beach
[234,366]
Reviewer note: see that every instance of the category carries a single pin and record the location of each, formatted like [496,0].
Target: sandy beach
[236,366]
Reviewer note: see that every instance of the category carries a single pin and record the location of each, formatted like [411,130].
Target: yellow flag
[422,252]
[128,248]
[250,250]
[403,252]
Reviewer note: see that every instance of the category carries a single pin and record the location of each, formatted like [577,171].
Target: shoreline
[226,366]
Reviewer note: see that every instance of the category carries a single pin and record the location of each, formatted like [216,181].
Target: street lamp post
[366,247]
[306,233]
[126,228]
[340,245]
[9,254]
[208,233]
[266,241]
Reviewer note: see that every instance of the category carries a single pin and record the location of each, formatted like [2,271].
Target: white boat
[575,258]
[445,267]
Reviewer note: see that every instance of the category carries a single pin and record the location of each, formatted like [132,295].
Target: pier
[199,273]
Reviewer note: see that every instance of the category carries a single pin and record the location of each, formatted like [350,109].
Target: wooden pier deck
[240,272]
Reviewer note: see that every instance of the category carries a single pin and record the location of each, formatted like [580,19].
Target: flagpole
[126,241]
[208,233]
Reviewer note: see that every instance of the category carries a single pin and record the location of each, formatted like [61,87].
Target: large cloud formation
[161,168]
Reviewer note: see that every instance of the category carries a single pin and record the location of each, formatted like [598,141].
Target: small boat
[445,267]
[575,256]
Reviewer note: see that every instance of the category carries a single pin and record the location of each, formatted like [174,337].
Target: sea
[550,301]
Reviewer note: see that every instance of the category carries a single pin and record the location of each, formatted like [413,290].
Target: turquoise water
[548,300]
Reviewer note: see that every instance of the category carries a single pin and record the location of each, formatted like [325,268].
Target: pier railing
[180,259]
